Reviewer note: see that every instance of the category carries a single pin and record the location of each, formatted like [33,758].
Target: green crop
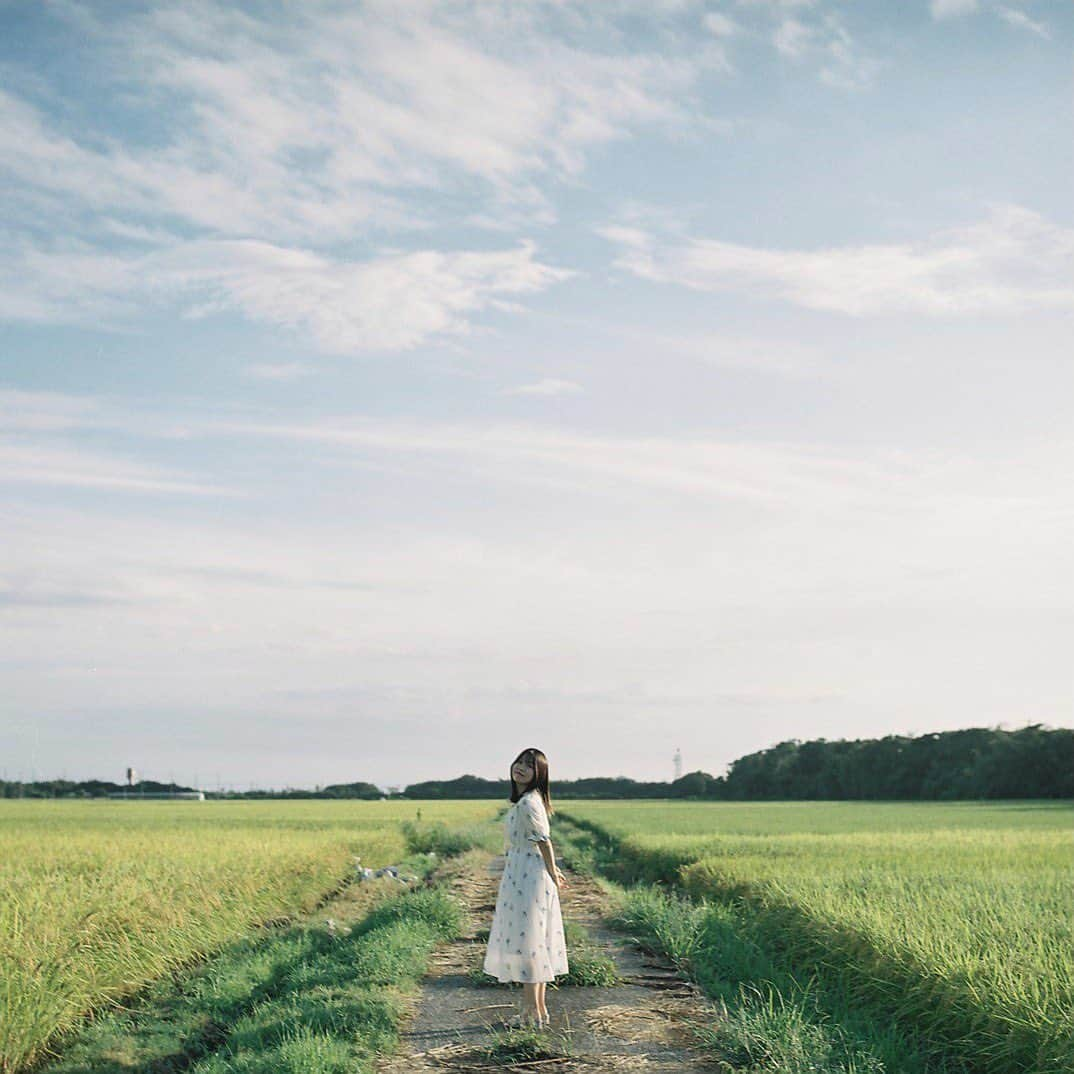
[955,919]
[97,898]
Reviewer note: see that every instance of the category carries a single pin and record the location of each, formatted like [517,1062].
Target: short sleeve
[534,818]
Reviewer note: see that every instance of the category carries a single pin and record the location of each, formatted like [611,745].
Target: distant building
[137,796]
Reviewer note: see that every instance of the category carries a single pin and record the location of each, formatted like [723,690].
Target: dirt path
[641,1024]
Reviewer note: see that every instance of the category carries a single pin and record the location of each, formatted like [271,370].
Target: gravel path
[642,1024]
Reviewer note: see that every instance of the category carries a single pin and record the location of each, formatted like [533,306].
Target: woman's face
[522,771]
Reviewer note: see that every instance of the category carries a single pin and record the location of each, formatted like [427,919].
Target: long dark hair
[539,762]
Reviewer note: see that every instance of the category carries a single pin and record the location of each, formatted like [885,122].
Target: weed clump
[524,1045]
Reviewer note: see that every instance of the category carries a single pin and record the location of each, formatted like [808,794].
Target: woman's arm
[549,856]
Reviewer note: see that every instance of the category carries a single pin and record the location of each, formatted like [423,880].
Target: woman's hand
[559,879]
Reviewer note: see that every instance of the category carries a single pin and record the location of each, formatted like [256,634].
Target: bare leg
[542,1009]
[530,1005]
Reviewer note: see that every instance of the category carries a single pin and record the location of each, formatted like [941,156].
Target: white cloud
[682,526]
[661,576]
[778,474]
[1023,22]
[844,65]
[335,123]
[951,9]
[284,371]
[69,281]
[275,143]
[391,302]
[828,42]
[47,464]
[225,188]
[720,25]
[314,127]
[547,386]
[776,5]
[791,475]
[784,357]
[1012,261]
[772,477]
[44,412]
[793,38]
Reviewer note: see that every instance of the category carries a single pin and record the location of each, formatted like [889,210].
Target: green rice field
[97,898]
[951,921]
[956,918]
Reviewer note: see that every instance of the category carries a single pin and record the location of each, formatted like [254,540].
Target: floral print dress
[526,937]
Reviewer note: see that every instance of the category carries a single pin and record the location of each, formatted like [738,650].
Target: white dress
[526,940]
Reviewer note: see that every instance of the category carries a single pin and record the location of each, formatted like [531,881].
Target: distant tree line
[97,788]
[1032,762]
[333,790]
[90,788]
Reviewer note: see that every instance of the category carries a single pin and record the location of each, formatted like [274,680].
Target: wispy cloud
[232,534]
[1022,21]
[44,441]
[17,593]
[888,489]
[48,411]
[776,5]
[41,464]
[825,41]
[279,144]
[778,473]
[1013,260]
[789,357]
[312,127]
[952,9]
[792,38]
[546,386]
[770,476]
[282,371]
[391,302]
[720,24]
[656,568]
[761,473]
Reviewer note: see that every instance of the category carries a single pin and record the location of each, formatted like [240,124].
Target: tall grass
[98,898]
[963,933]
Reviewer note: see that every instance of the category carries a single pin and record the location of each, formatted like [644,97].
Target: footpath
[641,1023]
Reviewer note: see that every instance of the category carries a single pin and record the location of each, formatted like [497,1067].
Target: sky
[388,387]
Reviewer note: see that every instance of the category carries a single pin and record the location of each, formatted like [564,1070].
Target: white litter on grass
[365,873]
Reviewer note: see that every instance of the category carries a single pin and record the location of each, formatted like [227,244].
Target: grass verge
[771,1020]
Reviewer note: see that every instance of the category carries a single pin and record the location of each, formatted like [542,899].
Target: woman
[526,938]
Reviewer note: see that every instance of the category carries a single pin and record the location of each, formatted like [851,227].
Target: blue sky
[387,387]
